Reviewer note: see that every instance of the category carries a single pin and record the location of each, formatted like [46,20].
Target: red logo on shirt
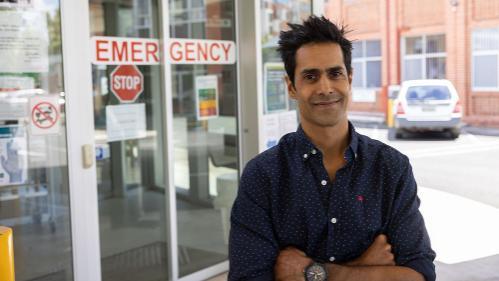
[360,198]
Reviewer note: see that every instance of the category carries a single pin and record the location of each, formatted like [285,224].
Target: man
[327,203]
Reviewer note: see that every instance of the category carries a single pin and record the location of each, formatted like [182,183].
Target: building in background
[397,40]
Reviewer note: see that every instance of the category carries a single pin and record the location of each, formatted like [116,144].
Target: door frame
[75,29]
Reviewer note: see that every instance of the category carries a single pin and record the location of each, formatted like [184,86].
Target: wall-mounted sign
[24,42]
[276,125]
[140,51]
[206,97]
[275,93]
[127,83]
[45,115]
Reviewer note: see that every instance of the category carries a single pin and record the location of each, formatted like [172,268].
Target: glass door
[128,102]
[34,182]
[204,99]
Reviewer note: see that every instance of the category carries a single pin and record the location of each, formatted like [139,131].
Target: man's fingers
[381,239]
[388,248]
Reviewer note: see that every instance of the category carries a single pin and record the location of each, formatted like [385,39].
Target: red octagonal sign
[127,82]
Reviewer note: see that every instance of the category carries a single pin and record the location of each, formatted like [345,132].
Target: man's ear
[291,88]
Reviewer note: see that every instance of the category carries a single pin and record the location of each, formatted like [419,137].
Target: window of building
[485,44]
[366,62]
[424,57]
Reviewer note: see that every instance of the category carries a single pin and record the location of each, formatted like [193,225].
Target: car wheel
[454,133]
[399,134]
[392,134]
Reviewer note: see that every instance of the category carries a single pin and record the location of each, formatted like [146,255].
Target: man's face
[322,85]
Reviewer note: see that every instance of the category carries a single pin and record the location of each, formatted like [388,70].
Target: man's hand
[379,253]
[290,265]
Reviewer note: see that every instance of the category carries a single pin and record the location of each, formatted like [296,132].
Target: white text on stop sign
[125,82]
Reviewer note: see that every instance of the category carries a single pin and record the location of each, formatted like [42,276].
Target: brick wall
[422,12]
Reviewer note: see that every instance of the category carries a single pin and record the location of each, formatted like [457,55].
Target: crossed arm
[376,263]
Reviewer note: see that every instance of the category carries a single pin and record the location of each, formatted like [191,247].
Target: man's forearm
[372,273]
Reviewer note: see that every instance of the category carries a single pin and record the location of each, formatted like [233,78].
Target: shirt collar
[307,148]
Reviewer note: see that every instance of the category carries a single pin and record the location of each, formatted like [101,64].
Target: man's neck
[332,140]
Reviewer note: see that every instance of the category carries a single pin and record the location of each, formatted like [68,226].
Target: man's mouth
[327,103]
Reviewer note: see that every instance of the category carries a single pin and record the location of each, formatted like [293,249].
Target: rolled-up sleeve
[407,231]
[252,245]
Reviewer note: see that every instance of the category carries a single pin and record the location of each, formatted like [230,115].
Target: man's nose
[325,85]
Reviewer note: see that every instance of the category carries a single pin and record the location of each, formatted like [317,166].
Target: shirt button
[305,156]
[334,220]
[314,151]
[324,182]
[331,259]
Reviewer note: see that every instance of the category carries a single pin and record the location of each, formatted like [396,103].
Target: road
[458,183]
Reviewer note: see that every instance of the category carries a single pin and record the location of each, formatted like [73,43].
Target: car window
[428,93]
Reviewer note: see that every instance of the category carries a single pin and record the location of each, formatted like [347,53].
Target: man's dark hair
[313,30]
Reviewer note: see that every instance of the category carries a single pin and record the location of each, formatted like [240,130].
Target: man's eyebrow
[310,71]
[316,70]
[334,68]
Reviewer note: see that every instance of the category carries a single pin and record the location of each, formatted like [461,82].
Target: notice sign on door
[206,97]
[24,41]
[125,122]
[45,115]
[139,51]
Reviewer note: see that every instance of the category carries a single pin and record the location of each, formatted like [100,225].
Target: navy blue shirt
[285,198]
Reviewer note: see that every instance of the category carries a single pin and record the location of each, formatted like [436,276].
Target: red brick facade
[392,20]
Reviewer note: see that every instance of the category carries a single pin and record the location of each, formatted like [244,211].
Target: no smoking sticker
[45,115]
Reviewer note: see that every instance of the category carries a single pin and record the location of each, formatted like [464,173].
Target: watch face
[316,272]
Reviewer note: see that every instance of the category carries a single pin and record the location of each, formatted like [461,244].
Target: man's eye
[310,77]
[336,74]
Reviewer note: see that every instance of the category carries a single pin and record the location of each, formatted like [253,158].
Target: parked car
[427,105]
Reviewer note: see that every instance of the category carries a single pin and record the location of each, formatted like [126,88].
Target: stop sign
[127,82]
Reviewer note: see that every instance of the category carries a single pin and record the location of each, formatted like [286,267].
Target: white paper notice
[276,125]
[270,131]
[15,83]
[287,122]
[125,122]
[23,42]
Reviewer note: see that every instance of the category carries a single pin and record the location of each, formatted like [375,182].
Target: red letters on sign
[183,51]
[176,54]
[140,51]
[99,50]
[152,52]
[119,51]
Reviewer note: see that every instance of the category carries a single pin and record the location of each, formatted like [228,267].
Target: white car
[428,105]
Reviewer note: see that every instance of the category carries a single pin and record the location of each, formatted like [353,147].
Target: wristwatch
[316,272]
